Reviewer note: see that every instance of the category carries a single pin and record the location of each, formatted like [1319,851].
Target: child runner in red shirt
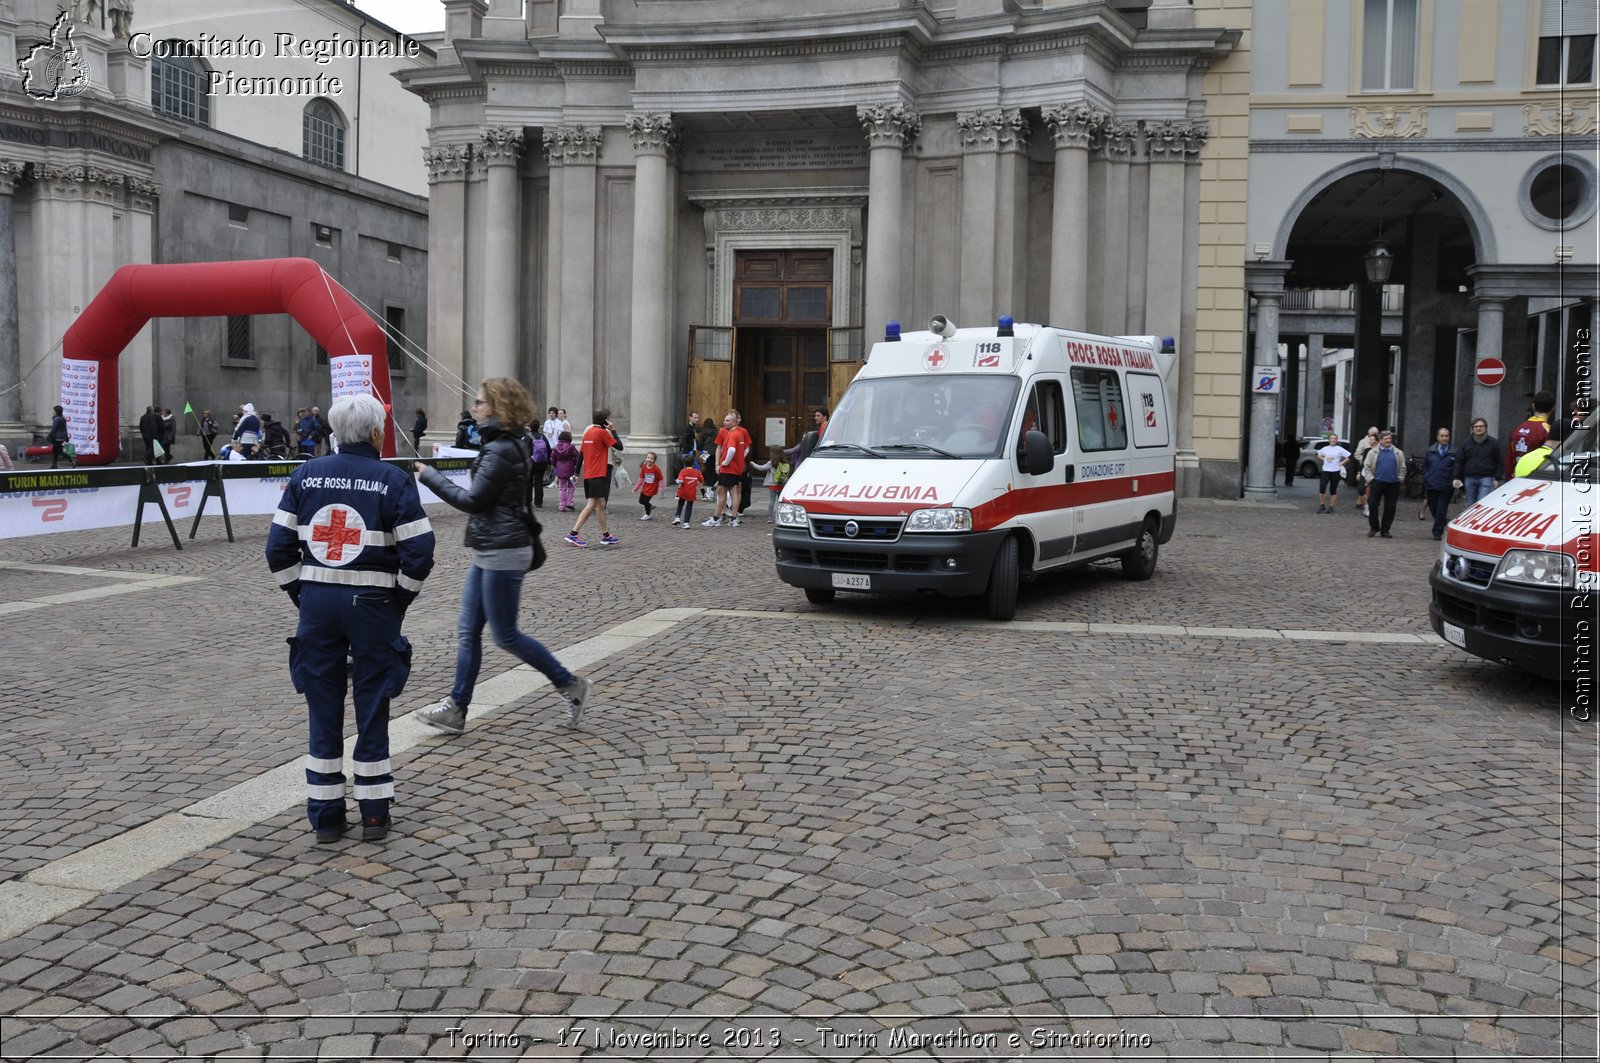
[689,481]
[647,483]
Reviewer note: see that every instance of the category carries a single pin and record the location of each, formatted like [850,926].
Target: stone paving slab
[1160,820]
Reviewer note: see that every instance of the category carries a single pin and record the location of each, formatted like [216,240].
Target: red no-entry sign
[1491,371]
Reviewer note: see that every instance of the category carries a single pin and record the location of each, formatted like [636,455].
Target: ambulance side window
[1102,415]
[1046,412]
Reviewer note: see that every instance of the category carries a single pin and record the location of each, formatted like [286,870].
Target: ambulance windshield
[1574,460]
[937,417]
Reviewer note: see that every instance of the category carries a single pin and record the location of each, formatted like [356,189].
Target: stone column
[1370,389]
[579,150]
[983,135]
[1491,334]
[889,129]
[501,150]
[1311,387]
[1166,142]
[1108,177]
[139,358]
[650,342]
[552,272]
[1138,234]
[1265,281]
[447,257]
[1010,217]
[1071,126]
[1188,252]
[10,343]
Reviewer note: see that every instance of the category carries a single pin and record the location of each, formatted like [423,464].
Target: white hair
[355,417]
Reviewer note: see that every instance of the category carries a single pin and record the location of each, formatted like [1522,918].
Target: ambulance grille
[868,530]
[852,561]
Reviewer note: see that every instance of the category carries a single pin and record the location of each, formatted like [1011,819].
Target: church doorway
[783,305]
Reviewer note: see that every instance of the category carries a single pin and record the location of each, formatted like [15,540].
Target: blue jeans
[1477,487]
[493,596]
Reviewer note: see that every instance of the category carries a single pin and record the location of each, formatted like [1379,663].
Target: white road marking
[62,885]
[130,583]
[72,881]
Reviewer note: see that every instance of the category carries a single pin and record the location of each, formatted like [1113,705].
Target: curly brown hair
[508,400]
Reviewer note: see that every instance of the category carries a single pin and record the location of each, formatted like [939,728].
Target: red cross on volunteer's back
[334,528]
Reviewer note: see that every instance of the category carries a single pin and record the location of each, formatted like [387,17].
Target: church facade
[675,207]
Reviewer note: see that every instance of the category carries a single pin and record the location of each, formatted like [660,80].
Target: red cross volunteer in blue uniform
[351,546]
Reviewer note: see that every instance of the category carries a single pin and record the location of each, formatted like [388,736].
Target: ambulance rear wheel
[820,595]
[1002,594]
[1140,562]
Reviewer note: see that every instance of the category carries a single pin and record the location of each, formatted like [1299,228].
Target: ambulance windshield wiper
[852,446]
[917,446]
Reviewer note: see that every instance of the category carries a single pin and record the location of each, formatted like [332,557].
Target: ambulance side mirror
[1036,456]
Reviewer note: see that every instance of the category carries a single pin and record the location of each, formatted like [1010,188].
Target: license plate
[849,582]
[1455,636]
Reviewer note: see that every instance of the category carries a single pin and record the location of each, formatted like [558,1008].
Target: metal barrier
[39,502]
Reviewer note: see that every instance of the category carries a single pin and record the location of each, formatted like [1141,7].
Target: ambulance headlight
[940,520]
[791,515]
[1540,568]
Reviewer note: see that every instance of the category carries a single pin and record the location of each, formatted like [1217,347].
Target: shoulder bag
[539,555]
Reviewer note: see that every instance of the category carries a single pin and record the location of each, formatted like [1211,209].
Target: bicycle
[1413,485]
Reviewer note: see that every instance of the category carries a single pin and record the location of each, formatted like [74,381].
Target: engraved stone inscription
[799,152]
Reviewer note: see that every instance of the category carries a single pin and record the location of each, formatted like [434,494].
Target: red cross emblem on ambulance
[934,357]
[1527,492]
[334,531]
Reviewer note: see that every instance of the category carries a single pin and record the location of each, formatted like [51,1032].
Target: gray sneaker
[446,716]
[575,694]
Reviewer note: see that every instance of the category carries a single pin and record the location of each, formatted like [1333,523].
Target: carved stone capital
[1194,138]
[652,133]
[447,162]
[1114,140]
[11,175]
[888,125]
[79,182]
[1168,140]
[572,144]
[983,131]
[1074,125]
[1384,123]
[501,145]
[1556,118]
[142,193]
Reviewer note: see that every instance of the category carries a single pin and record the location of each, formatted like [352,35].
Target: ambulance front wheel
[1140,562]
[1002,594]
[820,595]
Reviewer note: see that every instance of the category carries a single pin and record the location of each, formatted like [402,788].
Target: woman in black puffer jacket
[502,548]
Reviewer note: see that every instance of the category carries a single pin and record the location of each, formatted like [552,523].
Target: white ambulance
[1517,576]
[959,461]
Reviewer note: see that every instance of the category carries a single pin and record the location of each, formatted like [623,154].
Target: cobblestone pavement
[1250,809]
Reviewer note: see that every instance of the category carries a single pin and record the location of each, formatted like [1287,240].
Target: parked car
[1310,466]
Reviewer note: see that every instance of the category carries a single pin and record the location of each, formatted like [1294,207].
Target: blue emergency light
[1007,326]
[891,332]
[1168,346]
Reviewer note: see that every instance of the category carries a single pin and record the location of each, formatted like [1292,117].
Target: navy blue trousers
[363,622]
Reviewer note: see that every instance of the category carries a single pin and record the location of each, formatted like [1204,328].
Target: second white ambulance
[959,461]
[1518,573]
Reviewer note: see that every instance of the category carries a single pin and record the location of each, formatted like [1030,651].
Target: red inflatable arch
[357,354]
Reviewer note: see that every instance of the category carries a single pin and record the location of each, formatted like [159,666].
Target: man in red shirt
[599,439]
[1530,434]
[733,443]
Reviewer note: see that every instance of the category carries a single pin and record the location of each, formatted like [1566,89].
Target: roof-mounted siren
[1167,356]
[1005,326]
[940,325]
[891,332]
